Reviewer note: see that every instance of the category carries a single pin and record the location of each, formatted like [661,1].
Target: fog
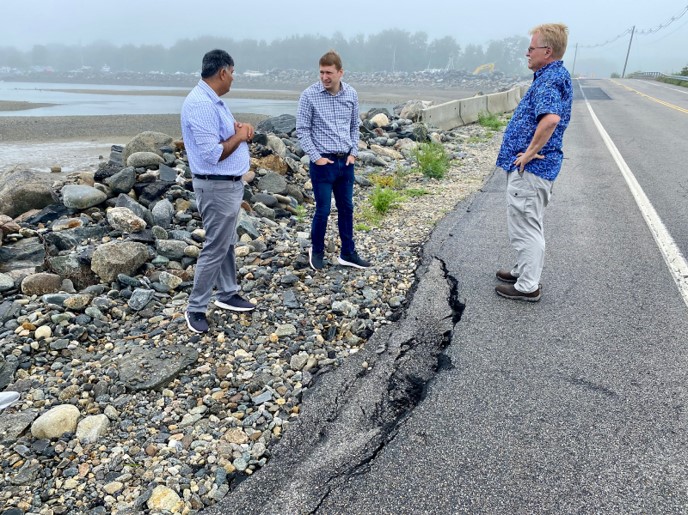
[73,22]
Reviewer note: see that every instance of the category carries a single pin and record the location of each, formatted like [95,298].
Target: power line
[627,31]
[643,32]
[665,24]
[669,34]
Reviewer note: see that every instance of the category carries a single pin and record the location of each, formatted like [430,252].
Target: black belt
[218,177]
[335,156]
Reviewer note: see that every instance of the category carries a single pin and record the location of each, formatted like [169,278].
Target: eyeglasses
[531,48]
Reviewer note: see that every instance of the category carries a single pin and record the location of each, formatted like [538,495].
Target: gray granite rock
[80,196]
[148,369]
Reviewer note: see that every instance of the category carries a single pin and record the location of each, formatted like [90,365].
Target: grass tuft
[432,160]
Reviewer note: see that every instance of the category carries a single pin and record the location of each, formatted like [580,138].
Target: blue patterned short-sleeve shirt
[550,93]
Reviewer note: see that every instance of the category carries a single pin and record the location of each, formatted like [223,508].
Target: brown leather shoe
[508,291]
[505,276]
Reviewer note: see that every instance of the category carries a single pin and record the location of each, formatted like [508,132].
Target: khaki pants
[527,196]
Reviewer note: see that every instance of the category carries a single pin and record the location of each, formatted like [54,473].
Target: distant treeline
[389,50]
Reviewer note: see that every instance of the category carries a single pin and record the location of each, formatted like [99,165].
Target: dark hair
[214,61]
[331,58]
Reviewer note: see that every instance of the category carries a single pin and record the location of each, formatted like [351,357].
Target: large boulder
[78,196]
[272,162]
[123,219]
[413,109]
[282,124]
[118,257]
[272,183]
[41,283]
[69,266]
[123,181]
[148,141]
[56,422]
[24,190]
[144,160]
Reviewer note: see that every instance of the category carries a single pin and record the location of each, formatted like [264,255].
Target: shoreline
[94,128]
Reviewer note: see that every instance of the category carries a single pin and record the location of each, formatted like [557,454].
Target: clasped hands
[244,130]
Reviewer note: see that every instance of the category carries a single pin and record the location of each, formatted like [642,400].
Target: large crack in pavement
[359,408]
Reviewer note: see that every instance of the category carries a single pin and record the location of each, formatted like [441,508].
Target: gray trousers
[219,203]
[527,196]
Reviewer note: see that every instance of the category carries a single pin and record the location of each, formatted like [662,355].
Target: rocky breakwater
[122,409]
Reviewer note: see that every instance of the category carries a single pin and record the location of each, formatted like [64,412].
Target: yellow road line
[672,106]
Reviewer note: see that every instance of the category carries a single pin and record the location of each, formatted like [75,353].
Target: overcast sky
[29,22]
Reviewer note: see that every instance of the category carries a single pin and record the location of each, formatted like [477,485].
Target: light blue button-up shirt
[206,123]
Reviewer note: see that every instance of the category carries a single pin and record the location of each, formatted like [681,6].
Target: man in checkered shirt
[327,128]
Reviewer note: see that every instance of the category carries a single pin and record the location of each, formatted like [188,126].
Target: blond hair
[553,35]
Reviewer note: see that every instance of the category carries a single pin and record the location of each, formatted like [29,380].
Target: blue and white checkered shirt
[206,122]
[326,123]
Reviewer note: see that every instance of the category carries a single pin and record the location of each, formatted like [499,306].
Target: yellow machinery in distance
[487,67]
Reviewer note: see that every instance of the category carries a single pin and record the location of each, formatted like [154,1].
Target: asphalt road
[575,404]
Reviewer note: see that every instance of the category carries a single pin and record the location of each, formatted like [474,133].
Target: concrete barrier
[444,116]
[471,108]
[513,96]
[462,112]
[497,103]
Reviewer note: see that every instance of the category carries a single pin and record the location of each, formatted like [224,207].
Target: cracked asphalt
[474,403]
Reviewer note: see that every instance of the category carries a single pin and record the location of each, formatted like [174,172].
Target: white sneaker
[7,399]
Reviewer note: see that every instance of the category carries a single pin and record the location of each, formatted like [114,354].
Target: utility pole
[623,73]
[573,68]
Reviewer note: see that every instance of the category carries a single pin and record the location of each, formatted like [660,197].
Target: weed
[383,199]
[383,181]
[362,227]
[300,213]
[490,121]
[475,139]
[371,216]
[432,160]
[416,192]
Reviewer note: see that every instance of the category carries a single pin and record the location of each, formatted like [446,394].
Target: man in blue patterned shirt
[327,128]
[531,155]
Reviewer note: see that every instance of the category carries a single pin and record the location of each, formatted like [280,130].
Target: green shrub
[300,213]
[490,121]
[384,181]
[432,160]
[383,199]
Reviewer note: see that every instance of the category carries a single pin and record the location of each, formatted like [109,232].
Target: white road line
[672,254]
[663,86]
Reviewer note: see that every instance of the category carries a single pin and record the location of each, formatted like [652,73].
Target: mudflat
[118,127]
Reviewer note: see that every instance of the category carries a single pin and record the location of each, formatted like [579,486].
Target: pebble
[128,445]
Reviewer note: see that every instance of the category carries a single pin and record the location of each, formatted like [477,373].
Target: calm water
[85,155]
[86,103]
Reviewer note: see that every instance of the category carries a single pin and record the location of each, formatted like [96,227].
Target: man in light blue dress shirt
[217,150]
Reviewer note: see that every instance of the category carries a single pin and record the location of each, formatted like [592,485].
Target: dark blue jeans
[337,178]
